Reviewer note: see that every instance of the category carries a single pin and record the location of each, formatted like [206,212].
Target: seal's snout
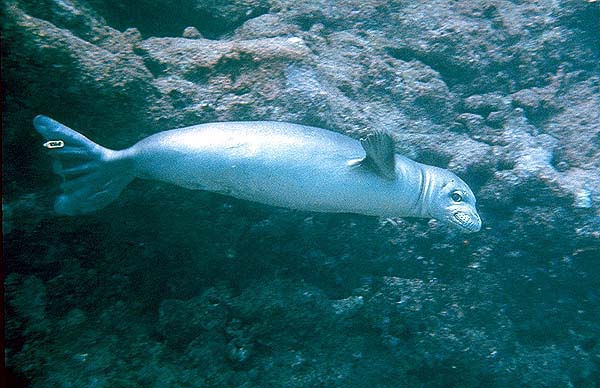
[468,221]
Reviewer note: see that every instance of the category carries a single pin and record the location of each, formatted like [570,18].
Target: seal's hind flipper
[379,147]
[93,176]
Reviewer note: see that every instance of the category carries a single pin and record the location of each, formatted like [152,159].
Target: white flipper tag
[54,144]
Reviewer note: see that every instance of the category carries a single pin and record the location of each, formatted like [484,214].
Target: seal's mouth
[466,221]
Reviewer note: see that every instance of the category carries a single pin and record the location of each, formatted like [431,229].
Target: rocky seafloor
[174,288]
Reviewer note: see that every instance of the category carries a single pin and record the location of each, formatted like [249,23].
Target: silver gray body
[280,164]
[275,163]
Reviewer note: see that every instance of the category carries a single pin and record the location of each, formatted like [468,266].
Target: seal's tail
[93,176]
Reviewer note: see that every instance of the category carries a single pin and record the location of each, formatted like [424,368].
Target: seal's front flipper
[379,147]
[93,176]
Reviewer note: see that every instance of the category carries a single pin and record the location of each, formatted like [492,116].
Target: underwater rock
[180,322]
[503,93]
[282,321]
[55,68]
[486,103]
[266,26]
[348,306]
[191,33]
[239,350]
[27,299]
[74,318]
[190,58]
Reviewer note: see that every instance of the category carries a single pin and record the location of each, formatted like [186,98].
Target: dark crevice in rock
[169,19]
[540,117]
[305,22]
[434,158]
[451,73]
[198,75]
[232,67]
[584,17]
[505,164]
[320,20]
[235,67]
[156,68]
[179,99]
[478,176]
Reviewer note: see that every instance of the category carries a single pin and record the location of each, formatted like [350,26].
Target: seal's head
[453,201]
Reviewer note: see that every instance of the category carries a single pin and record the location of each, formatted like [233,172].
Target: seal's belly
[275,163]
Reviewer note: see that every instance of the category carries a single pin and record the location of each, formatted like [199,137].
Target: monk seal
[274,163]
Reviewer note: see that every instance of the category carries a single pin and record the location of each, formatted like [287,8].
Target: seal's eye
[456,197]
